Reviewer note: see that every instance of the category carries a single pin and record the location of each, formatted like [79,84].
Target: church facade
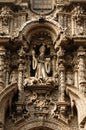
[43,65]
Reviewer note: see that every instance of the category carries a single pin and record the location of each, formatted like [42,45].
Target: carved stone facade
[42,65]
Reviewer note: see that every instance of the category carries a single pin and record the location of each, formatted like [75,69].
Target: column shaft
[81,69]
[2,54]
[62,82]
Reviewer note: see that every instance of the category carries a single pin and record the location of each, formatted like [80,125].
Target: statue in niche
[41,64]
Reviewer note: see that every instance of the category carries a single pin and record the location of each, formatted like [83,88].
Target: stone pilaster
[2,55]
[81,69]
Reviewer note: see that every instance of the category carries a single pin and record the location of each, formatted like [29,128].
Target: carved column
[7,76]
[11,25]
[81,69]
[20,72]
[61,81]
[61,68]
[7,68]
[75,70]
[0,25]
[73,25]
[20,80]
[19,104]
[76,76]
[28,66]
[2,54]
[54,65]
[20,76]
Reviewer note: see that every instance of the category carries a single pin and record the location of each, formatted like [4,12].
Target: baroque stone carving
[43,52]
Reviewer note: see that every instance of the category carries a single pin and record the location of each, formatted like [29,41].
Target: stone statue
[41,64]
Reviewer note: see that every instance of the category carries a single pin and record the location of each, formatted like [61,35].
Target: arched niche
[38,34]
[53,27]
[41,43]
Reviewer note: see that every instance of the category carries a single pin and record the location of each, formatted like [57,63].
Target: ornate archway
[43,125]
[41,100]
[41,78]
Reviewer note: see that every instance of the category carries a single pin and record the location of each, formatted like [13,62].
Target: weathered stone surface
[42,65]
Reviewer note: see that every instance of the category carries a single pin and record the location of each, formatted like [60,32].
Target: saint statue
[41,64]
